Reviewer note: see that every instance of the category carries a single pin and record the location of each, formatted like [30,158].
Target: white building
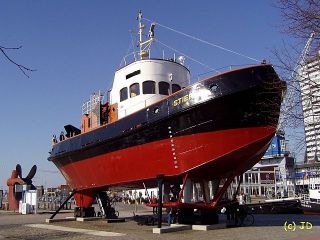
[309,80]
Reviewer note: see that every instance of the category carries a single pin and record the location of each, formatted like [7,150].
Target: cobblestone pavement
[14,226]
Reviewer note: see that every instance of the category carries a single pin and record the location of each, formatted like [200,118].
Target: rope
[204,41]
[203,64]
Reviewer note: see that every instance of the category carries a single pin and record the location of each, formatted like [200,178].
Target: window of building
[123,94]
[164,88]
[175,88]
[134,90]
[149,87]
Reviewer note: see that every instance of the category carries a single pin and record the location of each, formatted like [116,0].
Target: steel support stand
[183,186]
[160,179]
[146,190]
[238,187]
[61,206]
[222,191]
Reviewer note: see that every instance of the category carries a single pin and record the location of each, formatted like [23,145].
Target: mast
[144,46]
[141,27]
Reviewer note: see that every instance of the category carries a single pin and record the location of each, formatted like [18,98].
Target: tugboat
[311,202]
[156,125]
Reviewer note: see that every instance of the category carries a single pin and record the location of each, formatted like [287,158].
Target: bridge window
[123,94]
[175,88]
[130,75]
[134,90]
[149,87]
[164,88]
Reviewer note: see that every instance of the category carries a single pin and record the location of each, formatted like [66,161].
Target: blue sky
[77,45]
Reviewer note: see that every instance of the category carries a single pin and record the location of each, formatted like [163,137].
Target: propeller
[28,178]
[32,172]
[19,170]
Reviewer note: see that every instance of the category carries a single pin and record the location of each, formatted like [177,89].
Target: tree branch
[22,68]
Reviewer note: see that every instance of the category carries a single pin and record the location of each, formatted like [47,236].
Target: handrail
[125,57]
[220,70]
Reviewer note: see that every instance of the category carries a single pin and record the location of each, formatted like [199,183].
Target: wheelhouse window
[123,94]
[164,88]
[130,75]
[148,87]
[175,88]
[134,90]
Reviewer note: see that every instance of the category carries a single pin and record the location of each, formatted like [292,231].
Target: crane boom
[294,86]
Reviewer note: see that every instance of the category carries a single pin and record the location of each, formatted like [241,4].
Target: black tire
[248,220]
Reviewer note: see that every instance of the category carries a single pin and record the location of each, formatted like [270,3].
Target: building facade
[309,80]
[272,176]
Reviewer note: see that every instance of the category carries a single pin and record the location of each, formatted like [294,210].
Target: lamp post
[274,182]
[249,196]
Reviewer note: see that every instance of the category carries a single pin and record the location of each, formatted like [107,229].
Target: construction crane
[290,100]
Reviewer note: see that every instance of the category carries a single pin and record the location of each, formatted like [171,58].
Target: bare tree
[300,20]
[22,68]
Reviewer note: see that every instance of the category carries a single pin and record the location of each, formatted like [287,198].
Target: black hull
[311,208]
[281,207]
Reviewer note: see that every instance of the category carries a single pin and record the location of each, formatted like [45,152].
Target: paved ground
[15,226]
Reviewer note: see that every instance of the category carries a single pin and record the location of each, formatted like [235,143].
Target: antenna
[144,46]
[141,27]
[151,31]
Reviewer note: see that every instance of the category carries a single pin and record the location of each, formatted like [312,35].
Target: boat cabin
[145,82]
[137,85]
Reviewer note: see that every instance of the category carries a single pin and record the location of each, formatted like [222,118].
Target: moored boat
[311,202]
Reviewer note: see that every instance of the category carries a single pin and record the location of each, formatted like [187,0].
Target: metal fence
[54,202]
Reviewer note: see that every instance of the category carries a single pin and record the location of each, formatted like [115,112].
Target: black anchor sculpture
[28,178]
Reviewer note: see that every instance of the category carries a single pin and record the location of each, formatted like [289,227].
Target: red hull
[214,154]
